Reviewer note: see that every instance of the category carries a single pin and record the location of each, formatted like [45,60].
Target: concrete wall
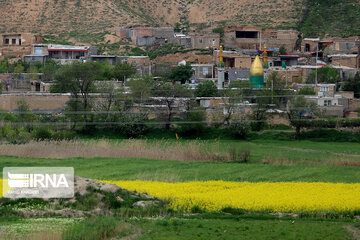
[203,70]
[39,101]
[205,40]
[123,32]
[163,32]
[145,41]
[352,62]
[140,32]
[354,105]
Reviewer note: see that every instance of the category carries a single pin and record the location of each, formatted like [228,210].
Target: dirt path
[353,231]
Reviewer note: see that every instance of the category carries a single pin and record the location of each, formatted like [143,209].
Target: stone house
[205,40]
[17,45]
[63,53]
[348,60]
[252,37]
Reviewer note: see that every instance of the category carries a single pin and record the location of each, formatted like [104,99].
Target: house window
[327,102]
[246,34]
[13,41]
[307,47]
[324,89]
[7,41]
[205,72]
[200,40]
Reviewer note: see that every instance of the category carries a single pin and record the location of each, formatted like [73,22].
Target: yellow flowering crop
[262,196]
[1,187]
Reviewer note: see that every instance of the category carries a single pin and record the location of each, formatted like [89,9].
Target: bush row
[12,134]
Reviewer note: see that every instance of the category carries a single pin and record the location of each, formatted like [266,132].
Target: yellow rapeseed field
[261,196]
[1,187]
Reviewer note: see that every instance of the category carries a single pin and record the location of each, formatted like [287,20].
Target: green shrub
[240,155]
[206,89]
[23,135]
[9,133]
[98,228]
[193,123]
[240,128]
[42,133]
[63,135]
[132,125]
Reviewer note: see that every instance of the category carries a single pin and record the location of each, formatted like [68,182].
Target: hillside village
[179,119]
[287,53]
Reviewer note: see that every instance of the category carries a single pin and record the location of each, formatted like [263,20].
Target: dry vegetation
[64,16]
[213,151]
[162,150]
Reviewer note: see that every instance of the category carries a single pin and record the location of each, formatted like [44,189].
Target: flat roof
[36,55]
[67,48]
[343,55]
[312,39]
[289,56]
[104,56]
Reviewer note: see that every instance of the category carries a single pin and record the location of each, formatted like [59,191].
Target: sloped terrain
[90,20]
[335,18]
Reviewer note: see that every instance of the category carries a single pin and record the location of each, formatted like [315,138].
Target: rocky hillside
[90,20]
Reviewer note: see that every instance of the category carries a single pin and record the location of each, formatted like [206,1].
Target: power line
[156,123]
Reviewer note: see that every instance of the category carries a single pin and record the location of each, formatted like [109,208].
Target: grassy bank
[174,171]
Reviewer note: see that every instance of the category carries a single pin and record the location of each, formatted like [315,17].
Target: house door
[37,87]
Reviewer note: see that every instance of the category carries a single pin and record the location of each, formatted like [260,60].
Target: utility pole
[316,73]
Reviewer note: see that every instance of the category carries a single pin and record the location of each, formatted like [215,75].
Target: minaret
[221,66]
[257,74]
[265,60]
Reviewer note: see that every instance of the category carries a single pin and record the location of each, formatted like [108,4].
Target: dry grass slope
[63,16]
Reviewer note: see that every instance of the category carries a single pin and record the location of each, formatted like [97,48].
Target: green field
[174,171]
[304,161]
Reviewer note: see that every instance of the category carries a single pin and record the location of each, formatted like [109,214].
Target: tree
[50,70]
[282,50]
[78,79]
[33,71]
[109,97]
[4,66]
[353,84]
[171,95]
[259,113]
[18,70]
[299,110]
[141,88]
[307,91]
[177,28]
[325,74]
[123,71]
[107,70]
[232,98]
[181,74]
[240,128]
[25,114]
[206,89]
[194,119]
